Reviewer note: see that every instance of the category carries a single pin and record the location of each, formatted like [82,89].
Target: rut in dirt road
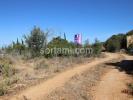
[37,92]
[112,83]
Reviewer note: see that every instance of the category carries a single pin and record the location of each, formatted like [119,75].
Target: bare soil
[39,91]
[113,83]
[101,79]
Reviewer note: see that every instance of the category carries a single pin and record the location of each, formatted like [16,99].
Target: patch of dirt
[111,86]
[39,91]
[79,86]
[114,82]
[102,82]
[27,75]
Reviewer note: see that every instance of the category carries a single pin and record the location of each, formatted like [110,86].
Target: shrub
[97,47]
[36,41]
[113,46]
[12,80]
[3,89]
[130,49]
[41,65]
[130,89]
[115,43]
[58,42]
[6,70]
[130,86]
[6,60]
[6,84]
[130,32]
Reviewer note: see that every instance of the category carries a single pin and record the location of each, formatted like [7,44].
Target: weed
[41,65]
[3,88]
[6,70]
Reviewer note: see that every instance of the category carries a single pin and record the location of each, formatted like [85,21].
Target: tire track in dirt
[111,85]
[38,91]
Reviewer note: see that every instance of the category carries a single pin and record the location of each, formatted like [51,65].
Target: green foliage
[9,49]
[113,46]
[115,43]
[72,45]
[87,43]
[130,32]
[3,89]
[16,48]
[5,60]
[130,86]
[7,70]
[19,47]
[130,49]
[35,41]
[6,84]
[97,47]
[41,65]
[59,43]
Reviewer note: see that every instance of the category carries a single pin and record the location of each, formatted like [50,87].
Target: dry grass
[41,65]
[6,84]
[79,87]
[26,73]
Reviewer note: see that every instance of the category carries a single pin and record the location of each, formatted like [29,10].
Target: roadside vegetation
[23,62]
[118,42]
[32,45]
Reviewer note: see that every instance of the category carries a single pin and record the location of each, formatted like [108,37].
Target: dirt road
[112,84]
[37,92]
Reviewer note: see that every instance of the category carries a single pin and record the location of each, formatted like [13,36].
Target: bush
[3,89]
[115,43]
[6,60]
[6,70]
[113,46]
[130,89]
[130,49]
[131,86]
[6,84]
[130,32]
[60,43]
[41,65]
[97,48]
[36,41]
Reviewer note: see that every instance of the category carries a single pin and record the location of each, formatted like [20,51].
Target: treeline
[117,42]
[37,40]
[30,45]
